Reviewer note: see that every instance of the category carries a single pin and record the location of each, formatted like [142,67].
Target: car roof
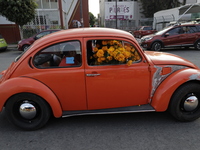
[82,32]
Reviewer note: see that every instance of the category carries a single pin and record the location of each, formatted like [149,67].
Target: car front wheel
[156,46]
[27,111]
[185,102]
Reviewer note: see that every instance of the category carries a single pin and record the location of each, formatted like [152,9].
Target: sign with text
[124,10]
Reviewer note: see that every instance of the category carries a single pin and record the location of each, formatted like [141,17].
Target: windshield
[163,30]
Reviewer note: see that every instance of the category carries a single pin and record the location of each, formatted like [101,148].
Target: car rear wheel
[197,45]
[156,46]
[27,111]
[185,102]
[25,47]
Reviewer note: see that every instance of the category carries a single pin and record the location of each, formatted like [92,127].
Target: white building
[128,14]
[186,13]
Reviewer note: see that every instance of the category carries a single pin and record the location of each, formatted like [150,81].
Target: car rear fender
[164,92]
[28,85]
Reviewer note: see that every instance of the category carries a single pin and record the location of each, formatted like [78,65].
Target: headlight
[147,38]
[19,41]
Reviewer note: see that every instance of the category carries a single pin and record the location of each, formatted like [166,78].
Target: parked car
[3,44]
[144,30]
[180,35]
[89,71]
[25,43]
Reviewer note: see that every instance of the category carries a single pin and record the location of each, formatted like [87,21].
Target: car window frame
[119,39]
[55,67]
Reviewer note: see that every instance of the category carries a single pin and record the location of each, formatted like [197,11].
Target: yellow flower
[120,57]
[104,42]
[129,62]
[109,58]
[105,48]
[100,53]
[103,58]
[95,49]
[127,54]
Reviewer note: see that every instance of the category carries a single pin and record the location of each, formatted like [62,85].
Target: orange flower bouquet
[114,52]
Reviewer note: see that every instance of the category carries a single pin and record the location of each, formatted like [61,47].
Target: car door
[172,37]
[63,74]
[189,36]
[110,83]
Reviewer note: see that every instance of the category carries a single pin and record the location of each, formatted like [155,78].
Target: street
[137,131]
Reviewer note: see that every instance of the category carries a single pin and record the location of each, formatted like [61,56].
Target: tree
[19,11]
[92,19]
[149,7]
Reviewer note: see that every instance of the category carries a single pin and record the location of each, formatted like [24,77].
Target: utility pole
[116,12]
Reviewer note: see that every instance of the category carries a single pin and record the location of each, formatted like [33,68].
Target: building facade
[129,16]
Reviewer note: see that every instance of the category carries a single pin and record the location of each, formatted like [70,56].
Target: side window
[114,52]
[66,54]
[175,31]
[42,34]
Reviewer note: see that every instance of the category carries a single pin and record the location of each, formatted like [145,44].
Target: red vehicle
[144,30]
[96,71]
[181,35]
[25,43]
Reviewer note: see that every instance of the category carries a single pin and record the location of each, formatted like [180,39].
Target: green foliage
[151,6]
[92,19]
[19,11]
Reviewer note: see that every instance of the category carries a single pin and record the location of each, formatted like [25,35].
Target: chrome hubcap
[191,103]
[27,110]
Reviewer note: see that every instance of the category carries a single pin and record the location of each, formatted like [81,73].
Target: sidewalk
[12,46]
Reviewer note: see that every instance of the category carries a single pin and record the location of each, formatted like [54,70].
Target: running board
[132,109]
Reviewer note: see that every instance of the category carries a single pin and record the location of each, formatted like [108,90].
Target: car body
[3,44]
[179,35]
[25,43]
[144,30]
[108,73]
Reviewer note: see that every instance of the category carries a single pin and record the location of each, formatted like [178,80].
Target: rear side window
[189,29]
[1,36]
[198,28]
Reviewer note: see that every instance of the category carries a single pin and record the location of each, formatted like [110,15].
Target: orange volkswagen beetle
[96,71]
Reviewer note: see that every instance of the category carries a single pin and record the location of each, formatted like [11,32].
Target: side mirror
[166,34]
[35,38]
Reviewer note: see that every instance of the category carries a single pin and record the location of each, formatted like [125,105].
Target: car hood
[161,58]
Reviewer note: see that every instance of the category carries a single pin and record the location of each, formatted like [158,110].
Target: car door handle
[93,75]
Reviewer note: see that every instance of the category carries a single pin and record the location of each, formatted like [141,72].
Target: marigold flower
[109,58]
[104,42]
[120,57]
[100,53]
[95,49]
[129,62]
[105,48]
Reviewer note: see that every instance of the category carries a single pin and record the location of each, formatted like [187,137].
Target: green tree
[92,19]
[149,7]
[19,11]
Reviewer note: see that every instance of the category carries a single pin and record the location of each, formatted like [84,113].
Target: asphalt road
[138,131]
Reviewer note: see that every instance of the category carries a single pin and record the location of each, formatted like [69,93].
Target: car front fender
[165,90]
[28,85]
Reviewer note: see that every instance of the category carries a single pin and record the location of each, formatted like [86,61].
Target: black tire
[25,47]
[197,45]
[35,114]
[156,46]
[185,102]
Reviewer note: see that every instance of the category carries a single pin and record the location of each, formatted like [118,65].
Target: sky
[94,7]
